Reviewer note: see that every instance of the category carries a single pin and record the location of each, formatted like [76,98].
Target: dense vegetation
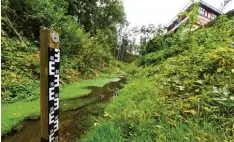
[181,90]
[88,38]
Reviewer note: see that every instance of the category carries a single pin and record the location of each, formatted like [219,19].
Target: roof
[208,6]
[185,8]
[204,4]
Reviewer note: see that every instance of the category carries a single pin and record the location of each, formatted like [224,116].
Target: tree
[224,4]
[97,14]
[28,16]
[122,42]
[98,17]
[147,34]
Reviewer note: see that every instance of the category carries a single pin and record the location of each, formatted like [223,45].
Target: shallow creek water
[73,123]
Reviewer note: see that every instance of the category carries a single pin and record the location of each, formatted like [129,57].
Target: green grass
[182,97]
[105,132]
[14,113]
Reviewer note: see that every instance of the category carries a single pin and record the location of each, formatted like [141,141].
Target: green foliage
[94,15]
[183,33]
[20,70]
[192,14]
[160,55]
[28,16]
[230,13]
[82,54]
[155,44]
[184,92]
[104,132]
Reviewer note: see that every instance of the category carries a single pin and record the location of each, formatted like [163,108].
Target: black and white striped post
[49,85]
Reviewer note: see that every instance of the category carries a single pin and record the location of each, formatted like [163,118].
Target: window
[201,11]
[206,13]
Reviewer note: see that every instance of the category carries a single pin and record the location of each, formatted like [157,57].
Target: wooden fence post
[49,85]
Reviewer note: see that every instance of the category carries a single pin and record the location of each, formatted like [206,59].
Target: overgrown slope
[184,92]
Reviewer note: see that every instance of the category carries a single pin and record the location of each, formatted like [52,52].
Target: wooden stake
[49,85]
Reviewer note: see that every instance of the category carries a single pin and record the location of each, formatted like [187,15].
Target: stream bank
[73,123]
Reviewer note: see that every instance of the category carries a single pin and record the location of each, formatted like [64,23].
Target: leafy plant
[183,92]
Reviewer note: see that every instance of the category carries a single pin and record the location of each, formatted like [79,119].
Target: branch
[15,30]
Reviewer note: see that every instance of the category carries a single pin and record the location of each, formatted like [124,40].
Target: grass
[181,97]
[14,113]
[105,132]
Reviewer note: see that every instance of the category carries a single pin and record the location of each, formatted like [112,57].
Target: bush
[20,70]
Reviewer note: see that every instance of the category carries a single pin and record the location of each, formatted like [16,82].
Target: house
[206,13]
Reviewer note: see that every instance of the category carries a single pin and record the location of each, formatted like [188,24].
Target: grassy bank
[185,96]
[14,113]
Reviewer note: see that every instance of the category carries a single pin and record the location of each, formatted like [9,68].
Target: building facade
[206,13]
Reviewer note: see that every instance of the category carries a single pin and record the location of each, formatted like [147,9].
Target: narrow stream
[73,123]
